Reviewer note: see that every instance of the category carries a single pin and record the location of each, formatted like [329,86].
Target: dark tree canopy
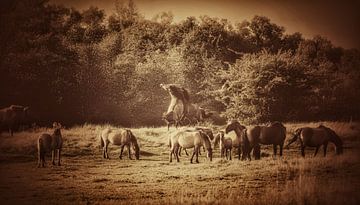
[83,66]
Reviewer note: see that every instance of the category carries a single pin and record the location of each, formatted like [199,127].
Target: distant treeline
[83,66]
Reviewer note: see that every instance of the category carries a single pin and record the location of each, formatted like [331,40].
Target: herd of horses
[245,140]
[234,136]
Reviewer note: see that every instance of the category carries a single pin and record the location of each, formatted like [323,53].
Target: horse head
[334,138]
[234,125]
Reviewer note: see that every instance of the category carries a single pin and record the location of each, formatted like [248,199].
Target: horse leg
[197,154]
[179,152]
[104,153]
[302,150]
[53,156]
[316,150]
[170,156]
[281,149]
[43,159]
[275,149]
[121,151]
[59,154]
[256,152]
[176,153]
[239,152]
[39,159]
[193,154]
[325,147]
[230,153]
[106,150]
[187,154]
[128,147]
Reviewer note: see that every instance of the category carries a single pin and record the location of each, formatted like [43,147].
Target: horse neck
[237,130]
[335,139]
[57,133]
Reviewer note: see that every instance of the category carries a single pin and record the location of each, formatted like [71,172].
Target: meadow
[86,178]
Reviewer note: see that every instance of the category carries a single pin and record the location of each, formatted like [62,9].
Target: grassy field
[86,178]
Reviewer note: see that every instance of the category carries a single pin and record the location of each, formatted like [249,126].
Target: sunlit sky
[338,21]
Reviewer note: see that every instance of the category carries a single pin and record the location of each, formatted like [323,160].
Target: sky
[339,21]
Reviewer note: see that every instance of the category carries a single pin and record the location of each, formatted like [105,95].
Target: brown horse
[252,137]
[13,117]
[50,143]
[317,137]
[189,139]
[121,137]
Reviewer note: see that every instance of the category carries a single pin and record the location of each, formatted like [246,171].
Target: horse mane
[180,93]
[277,123]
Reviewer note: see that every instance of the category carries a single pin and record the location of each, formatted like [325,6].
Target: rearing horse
[316,137]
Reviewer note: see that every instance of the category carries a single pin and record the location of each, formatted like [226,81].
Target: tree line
[84,66]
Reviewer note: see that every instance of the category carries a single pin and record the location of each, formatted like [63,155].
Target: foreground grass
[86,178]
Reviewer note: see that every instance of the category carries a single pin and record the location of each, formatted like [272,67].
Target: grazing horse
[225,145]
[238,140]
[189,139]
[316,137]
[121,137]
[50,143]
[14,116]
[252,137]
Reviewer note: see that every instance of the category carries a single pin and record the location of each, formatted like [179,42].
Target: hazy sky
[338,21]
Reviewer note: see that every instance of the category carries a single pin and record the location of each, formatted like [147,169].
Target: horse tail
[39,146]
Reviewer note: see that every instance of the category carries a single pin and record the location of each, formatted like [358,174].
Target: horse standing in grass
[189,139]
[50,143]
[238,140]
[252,137]
[120,137]
[317,137]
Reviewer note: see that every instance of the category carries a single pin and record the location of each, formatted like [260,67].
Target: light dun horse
[238,140]
[189,139]
[120,137]
[317,137]
[252,137]
[50,143]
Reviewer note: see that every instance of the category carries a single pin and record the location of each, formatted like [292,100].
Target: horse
[120,137]
[253,136]
[237,139]
[206,130]
[14,116]
[225,145]
[317,137]
[50,143]
[189,139]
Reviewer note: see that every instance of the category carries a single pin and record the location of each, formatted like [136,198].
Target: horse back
[189,139]
[313,137]
[253,134]
[119,137]
[274,134]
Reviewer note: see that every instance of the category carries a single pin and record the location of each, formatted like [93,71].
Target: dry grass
[86,178]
